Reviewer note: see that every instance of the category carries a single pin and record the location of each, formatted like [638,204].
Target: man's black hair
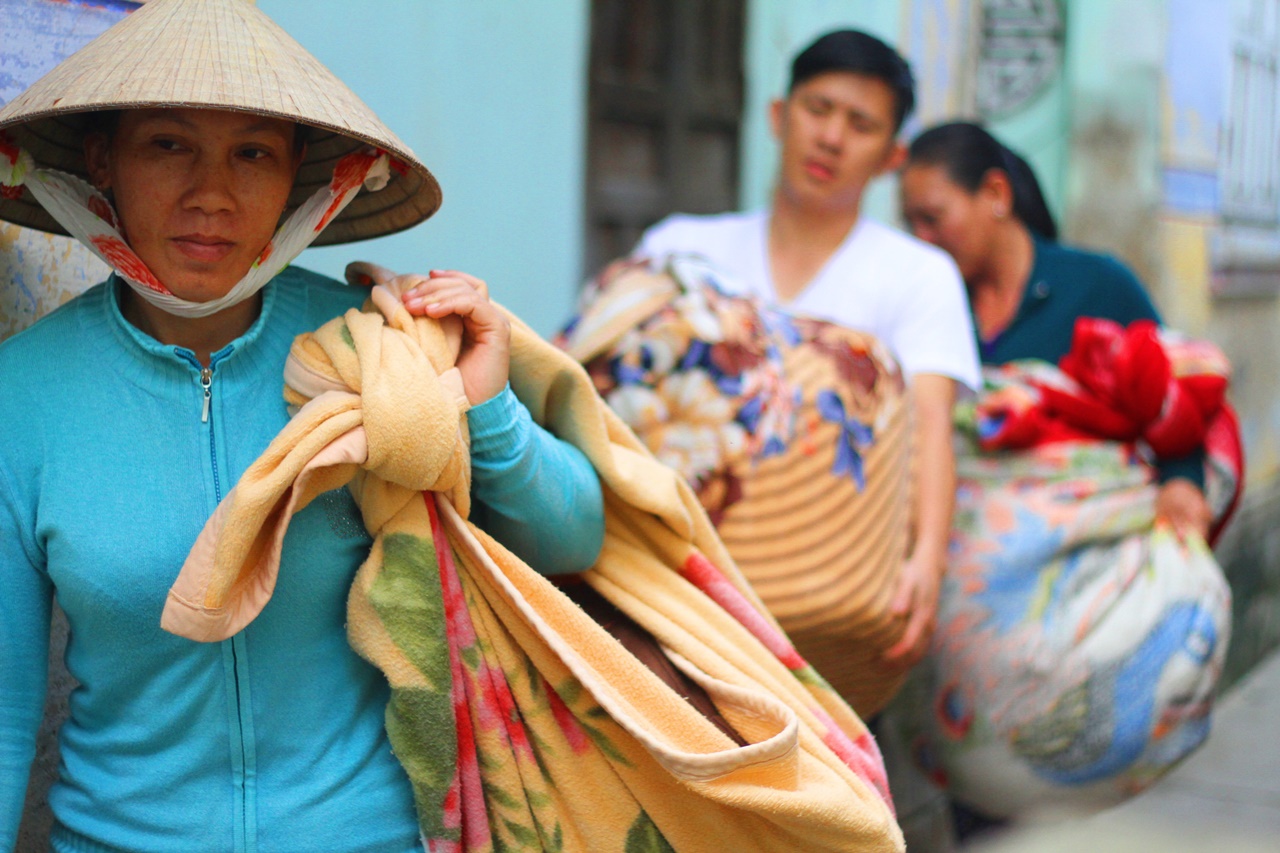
[859,53]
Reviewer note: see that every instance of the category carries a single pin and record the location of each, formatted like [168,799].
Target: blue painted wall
[491,94]
[1198,92]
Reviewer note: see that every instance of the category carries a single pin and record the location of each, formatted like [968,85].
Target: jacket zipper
[206,382]
[245,835]
[206,385]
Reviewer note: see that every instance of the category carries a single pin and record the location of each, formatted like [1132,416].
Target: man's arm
[916,597]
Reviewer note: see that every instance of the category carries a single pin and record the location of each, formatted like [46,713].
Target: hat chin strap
[89,217]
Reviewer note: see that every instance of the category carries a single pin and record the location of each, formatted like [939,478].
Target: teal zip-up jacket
[113,453]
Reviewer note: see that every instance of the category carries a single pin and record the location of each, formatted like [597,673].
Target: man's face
[199,192]
[837,132]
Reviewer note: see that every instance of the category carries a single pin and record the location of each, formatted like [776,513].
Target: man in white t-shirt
[813,253]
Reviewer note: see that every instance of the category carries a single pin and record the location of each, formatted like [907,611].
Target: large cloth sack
[795,434]
[521,722]
[1079,643]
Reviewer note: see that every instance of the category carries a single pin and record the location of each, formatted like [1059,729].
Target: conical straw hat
[215,54]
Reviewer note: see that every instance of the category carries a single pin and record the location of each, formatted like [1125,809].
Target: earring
[1000,212]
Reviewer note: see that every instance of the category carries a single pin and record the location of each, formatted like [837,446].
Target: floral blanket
[795,435]
[1079,643]
[521,722]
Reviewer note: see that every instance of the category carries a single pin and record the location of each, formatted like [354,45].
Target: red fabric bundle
[1128,384]
[1136,384]
[1122,384]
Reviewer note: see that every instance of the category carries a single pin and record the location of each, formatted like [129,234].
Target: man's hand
[1183,506]
[916,598]
[485,359]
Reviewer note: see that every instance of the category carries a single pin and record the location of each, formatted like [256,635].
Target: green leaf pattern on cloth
[644,837]
[407,598]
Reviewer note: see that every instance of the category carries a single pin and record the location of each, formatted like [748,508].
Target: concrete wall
[1199,62]
[1195,228]
[1148,86]
[1113,85]
[38,272]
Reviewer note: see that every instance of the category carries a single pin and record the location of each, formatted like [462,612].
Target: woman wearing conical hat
[197,149]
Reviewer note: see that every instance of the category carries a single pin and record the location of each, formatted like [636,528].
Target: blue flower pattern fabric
[715,375]
[795,434]
[1079,643]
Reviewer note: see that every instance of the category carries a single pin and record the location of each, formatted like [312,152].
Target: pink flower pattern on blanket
[573,732]
[700,572]
[863,756]
[466,773]
[464,804]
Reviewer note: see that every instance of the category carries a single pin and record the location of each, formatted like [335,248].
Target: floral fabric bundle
[1079,643]
[795,434]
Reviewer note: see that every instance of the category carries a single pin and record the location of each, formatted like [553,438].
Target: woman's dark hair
[101,121]
[968,152]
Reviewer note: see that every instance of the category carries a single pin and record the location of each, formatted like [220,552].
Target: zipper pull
[206,382]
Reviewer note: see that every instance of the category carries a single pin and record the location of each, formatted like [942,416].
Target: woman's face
[939,211]
[199,193]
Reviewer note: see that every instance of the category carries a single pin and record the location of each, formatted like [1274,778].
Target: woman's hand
[485,359]
[1182,505]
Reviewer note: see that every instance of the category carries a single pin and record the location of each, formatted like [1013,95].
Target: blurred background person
[965,192]
[1083,621]
[814,253]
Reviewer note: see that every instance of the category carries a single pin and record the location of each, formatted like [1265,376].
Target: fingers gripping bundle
[522,723]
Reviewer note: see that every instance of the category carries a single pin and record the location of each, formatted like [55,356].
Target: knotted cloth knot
[410,395]
[379,406]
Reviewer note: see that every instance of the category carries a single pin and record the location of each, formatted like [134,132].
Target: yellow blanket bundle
[521,722]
